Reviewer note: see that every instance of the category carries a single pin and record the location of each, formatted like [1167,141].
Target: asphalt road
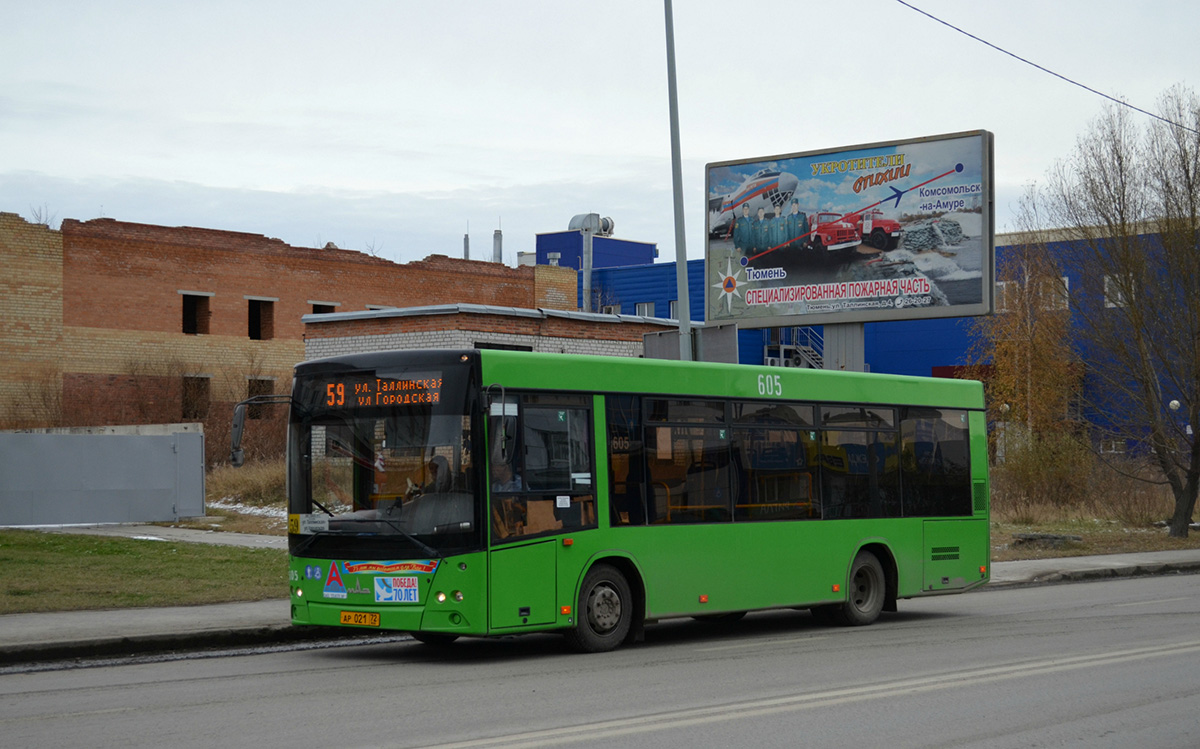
[1098,664]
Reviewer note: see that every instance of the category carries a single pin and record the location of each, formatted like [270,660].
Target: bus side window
[626,463]
[688,471]
[860,463]
[936,462]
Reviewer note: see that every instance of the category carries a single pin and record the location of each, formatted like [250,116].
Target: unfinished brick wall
[96,311]
[31,326]
[129,276]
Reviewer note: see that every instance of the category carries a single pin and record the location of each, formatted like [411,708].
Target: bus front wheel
[605,611]
[868,589]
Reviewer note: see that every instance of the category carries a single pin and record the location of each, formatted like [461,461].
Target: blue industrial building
[912,347]
[565,248]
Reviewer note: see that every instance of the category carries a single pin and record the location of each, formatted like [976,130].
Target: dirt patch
[1082,539]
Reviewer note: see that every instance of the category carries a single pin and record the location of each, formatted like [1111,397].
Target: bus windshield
[385,464]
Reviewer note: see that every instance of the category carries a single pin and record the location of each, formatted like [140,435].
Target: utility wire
[1047,70]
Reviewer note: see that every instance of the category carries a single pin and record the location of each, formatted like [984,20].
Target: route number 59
[769,385]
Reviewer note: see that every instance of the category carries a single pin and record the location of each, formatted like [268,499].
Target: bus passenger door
[522,585]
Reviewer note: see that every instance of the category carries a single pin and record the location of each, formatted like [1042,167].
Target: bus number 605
[769,385]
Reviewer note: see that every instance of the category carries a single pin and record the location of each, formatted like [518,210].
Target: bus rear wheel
[868,589]
[605,611]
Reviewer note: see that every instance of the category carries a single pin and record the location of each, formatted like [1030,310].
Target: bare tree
[1024,354]
[1024,351]
[373,249]
[1127,205]
[42,215]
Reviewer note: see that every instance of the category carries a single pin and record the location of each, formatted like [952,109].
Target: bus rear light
[837,588]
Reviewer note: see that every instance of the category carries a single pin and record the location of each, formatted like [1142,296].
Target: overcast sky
[396,126]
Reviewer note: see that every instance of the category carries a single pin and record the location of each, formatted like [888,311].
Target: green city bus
[485,492]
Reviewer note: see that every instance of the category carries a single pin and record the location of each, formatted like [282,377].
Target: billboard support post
[845,348]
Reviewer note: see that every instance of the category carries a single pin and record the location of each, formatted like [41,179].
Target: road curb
[1104,573]
[115,647]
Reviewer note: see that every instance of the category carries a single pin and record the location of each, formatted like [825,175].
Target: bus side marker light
[982,569]
[568,541]
[703,598]
[565,610]
[837,588]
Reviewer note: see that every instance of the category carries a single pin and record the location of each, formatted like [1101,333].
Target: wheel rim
[604,608]
[866,589]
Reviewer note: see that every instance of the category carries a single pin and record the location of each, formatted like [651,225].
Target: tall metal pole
[684,311]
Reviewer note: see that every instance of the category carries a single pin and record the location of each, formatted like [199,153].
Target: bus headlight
[457,595]
[440,597]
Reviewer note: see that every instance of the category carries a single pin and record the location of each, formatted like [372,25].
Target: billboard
[884,231]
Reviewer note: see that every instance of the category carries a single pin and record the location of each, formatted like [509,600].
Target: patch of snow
[225,503]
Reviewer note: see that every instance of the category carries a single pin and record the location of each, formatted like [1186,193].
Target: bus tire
[437,639]
[866,594]
[605,611]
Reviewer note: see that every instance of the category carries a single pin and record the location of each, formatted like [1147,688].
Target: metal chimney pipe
[497,246]
[466,247]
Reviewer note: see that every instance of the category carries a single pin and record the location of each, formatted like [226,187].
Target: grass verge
[67,572]
[1096,537]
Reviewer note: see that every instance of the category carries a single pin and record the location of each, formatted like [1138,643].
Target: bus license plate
[360,618]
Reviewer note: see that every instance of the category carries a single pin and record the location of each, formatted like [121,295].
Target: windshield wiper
[432,552]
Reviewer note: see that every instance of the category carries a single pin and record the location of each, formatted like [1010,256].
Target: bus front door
[522,585]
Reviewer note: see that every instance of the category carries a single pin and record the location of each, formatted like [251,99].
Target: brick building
[466,326]
[110,322]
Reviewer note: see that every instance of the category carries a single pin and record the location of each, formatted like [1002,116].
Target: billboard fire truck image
[878,230]
[833,236]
